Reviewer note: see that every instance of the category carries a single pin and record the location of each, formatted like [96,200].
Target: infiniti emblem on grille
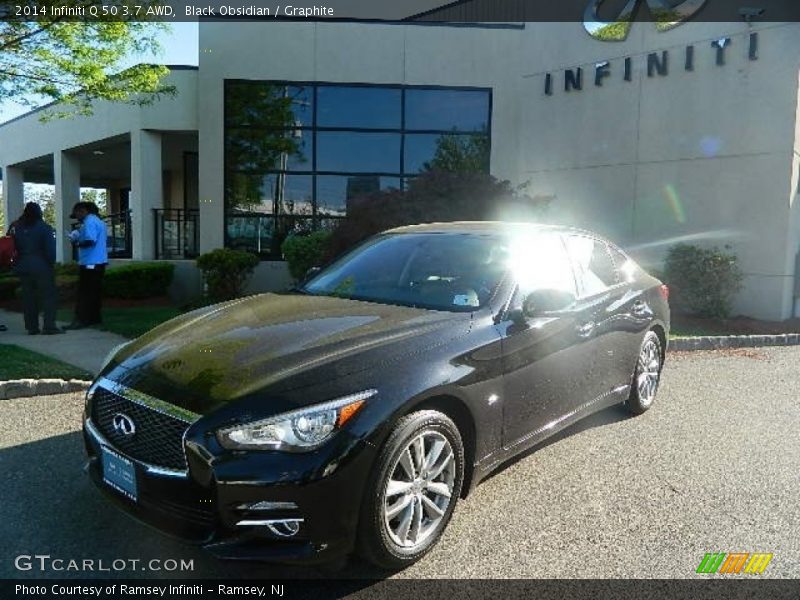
[123,424]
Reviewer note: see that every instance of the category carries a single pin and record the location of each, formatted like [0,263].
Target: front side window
[540,263]
[441,271]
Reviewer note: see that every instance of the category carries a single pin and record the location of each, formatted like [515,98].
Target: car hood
[272,343]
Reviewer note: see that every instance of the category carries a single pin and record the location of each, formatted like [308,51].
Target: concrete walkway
[84,348]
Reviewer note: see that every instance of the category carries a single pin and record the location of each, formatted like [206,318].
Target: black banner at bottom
[431,589]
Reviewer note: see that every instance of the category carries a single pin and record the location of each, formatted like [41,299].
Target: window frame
[578,272]
[517,296]
[314,129]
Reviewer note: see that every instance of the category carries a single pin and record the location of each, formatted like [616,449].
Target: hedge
[226,271]
[138,280]
[305,251]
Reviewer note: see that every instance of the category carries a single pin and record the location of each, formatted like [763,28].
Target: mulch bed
[734,325]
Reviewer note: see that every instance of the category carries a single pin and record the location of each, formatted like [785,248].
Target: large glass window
[336,192]
[447,110]
[359,107]
[298,155]
[357,152]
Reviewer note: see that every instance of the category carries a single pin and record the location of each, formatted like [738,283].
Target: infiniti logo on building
[666,14]
[123,424]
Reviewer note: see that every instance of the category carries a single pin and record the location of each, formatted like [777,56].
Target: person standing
[35,243]
[90,238]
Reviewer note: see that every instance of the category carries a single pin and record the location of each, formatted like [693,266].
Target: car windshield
[441,271]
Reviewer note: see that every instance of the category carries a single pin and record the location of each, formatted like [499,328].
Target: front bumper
[208,503]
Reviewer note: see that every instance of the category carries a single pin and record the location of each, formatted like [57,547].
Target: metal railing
[120,238]
[177,233]
[263,234]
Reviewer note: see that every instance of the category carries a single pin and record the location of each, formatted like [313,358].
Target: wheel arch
[457,410]
[659,330]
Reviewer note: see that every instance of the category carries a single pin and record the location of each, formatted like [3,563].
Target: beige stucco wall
[28,137]
[710,156]
[704,156]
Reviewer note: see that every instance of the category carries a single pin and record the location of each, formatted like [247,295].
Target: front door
[546,359]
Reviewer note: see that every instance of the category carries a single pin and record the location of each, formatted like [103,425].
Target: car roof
[486,227]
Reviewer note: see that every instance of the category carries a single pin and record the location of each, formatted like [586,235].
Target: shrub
[67,287]
[702,281]
[226,272]
[8,286]
[305,251]
[66,268]
[138,280]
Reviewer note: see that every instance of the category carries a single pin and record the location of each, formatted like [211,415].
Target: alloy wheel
[419,489]
[649,370]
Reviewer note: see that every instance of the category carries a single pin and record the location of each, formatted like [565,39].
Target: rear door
[608,304]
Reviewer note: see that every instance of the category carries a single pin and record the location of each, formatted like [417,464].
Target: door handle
[586,329]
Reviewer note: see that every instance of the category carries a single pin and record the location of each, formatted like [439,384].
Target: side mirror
[545,301]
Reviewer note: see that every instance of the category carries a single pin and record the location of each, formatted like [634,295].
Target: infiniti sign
[123,424]
[666,14]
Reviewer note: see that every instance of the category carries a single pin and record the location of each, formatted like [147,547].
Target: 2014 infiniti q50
[353,412]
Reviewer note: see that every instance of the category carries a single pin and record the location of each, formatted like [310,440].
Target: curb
[23,388]
[716,342]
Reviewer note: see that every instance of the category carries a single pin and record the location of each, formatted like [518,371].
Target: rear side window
[626,268]
[593,264]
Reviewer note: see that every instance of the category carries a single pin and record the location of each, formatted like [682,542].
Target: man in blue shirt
[90,238]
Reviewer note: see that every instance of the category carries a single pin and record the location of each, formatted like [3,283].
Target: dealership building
[689,134]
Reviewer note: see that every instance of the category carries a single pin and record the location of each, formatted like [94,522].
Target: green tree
[262,136]
[75,63]
[96,196]
[461,154]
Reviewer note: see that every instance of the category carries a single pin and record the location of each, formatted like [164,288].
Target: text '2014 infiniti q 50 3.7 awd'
[351,413]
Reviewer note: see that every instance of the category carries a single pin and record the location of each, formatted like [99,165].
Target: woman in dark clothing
[35,241]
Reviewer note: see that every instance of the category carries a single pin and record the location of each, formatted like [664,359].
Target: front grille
[158,439]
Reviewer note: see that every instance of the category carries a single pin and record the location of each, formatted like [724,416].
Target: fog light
[280,527]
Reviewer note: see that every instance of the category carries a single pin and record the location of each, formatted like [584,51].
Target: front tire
[647,374]
[412,494]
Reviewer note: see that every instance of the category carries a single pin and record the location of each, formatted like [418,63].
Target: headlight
[296,431]
[112,354]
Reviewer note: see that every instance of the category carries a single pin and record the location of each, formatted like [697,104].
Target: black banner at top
[602,12]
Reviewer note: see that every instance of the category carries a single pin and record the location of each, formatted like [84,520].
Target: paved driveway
[713,467]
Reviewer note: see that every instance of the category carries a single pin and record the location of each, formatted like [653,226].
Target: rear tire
[646,375]
[413,490]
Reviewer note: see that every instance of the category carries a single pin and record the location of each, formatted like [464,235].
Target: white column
[211,158]
[13,194]
[67,178]
[146,190]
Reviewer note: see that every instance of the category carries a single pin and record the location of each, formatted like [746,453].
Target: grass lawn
[130,321]
[19,363]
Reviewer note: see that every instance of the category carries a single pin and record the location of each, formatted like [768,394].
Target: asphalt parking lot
[713,467]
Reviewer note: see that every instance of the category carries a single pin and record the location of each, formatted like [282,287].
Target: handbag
[8,252]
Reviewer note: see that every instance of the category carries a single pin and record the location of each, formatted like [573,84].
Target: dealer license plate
[119,473]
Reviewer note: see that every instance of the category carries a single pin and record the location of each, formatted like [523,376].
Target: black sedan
[351,413]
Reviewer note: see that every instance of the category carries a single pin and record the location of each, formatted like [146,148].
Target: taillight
[664,289]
